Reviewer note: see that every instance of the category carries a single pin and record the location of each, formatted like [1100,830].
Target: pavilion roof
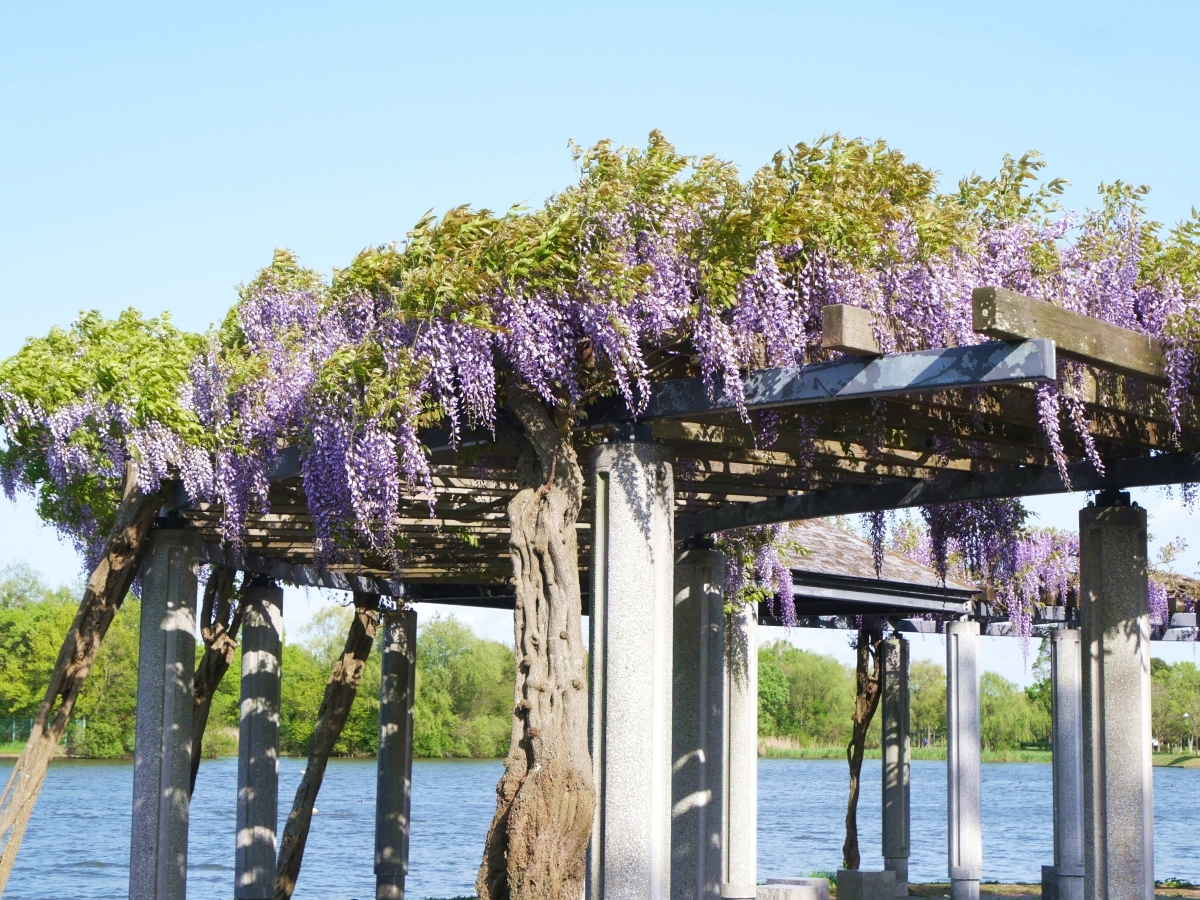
[852,433]
[832,550]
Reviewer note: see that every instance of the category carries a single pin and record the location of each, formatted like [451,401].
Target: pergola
[858,432]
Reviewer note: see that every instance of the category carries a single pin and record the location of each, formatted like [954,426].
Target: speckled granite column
[393,785]
[631,657]
[1067,741]
[1118,796]
[741,754]
[963,776]
[698,725]
[258,741]
[162,759]
[894,710]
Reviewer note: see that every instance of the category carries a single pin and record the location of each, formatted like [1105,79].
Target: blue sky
[153,156]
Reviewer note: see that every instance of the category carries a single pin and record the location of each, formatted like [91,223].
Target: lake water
[77,844]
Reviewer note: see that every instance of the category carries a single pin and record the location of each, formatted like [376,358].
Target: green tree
[819,697]
[774,695]
[464,692]
[1008,717]
[106,714]
[1175,703]
[927,700]
[34,618]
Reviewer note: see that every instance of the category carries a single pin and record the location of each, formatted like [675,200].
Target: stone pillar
[741,755]
[630,661]
[963,776]
[1118,804]
[894,709]
[258,741]
[1067,742]
[393,787]
[698,726]
[162,759]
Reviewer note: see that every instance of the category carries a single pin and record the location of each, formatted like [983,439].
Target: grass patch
[1176,760]
[775,750]
[11,747]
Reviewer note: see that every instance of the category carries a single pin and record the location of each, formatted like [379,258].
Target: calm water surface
[78,841]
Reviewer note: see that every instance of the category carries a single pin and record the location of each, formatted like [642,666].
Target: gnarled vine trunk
[331,718]
[545,800]
[220,619]
[866,701]
[102,597]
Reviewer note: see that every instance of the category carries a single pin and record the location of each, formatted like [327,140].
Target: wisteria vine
[654,263]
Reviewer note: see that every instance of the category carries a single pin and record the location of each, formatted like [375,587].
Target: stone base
[856,884]
[787,892]
[899,866]
[800,889]
[1049,883]
[964,889]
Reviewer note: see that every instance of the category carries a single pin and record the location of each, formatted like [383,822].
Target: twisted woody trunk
[545,800]
[102,597]
[866,701]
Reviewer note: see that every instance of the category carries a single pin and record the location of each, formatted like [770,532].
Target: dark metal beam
[824,594]
[946,487]
[981,365]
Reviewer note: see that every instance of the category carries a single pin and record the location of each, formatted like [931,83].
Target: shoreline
[938,754]
[934,754]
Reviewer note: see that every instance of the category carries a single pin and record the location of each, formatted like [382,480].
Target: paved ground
[936,891]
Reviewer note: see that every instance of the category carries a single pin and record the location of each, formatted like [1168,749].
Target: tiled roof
[835,551]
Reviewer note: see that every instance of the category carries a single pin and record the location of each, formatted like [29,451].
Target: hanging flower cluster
[755,571]
[1028,568]
[653,265]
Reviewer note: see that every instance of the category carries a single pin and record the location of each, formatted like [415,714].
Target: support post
[698,725]
[964,830]
[258,741]
[1067,742]
[162,757]
[741,755]
[894,708]
[393,786]
[630,661]
[1118,793]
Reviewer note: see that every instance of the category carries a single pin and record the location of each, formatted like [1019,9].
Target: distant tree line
[464,682]
[464,689]
[807,698]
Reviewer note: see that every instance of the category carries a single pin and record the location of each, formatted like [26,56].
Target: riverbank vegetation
[462,709]
[464,691]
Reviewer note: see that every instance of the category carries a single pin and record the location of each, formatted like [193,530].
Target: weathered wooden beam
[291,573]
[951,487]
[1010,316]
[847,329]
[853,377]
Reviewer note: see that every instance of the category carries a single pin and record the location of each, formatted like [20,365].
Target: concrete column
[963,776]
[698,726]
[631,648]
[741,755]
[1067,741]
[894,708]
[162,759]
[1118,795]
[393,787]
[258,741]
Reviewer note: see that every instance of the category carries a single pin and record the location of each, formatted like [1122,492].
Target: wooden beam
[297,574]
[951,487]
[1010,316]
[854,377]
[847,329]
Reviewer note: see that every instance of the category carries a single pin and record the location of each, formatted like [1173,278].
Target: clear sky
[154,155]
